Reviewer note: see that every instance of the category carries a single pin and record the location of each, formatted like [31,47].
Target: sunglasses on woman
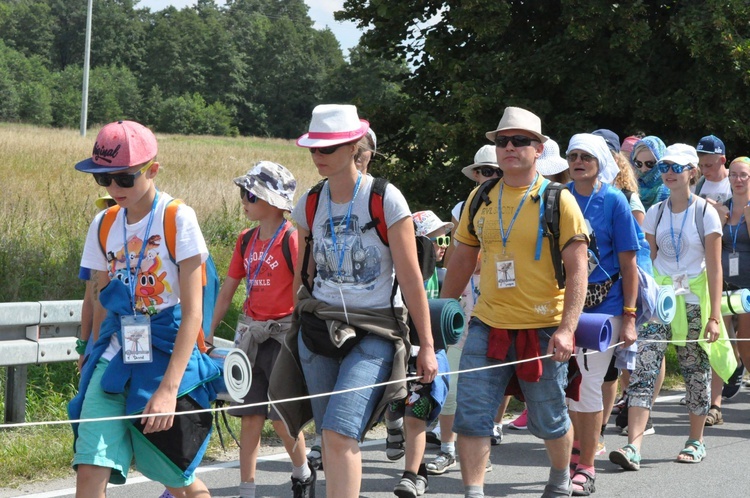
[325,150]
[677,168]
[573,157]
[648,164]
[489,171]
[442,241]
[516,140]
[123,180]
[248,196]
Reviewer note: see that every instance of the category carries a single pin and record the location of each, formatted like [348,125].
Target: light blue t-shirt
[608,213]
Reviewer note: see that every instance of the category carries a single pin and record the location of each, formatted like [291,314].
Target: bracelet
[80,346]
[714,319]
[628,309]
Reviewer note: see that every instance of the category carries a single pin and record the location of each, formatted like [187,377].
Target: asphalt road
[519,466]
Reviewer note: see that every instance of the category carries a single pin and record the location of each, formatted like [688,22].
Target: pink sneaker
[519,424]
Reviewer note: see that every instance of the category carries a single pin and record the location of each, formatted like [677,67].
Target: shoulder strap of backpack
[286,251]
[628,194]
[170,228]
[246,240]
[699,185]
[699,214]
[550,199]
[311,207]
[377,210]
[480,197]
[105,224]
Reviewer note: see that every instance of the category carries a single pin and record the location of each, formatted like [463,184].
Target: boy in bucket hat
[264,257]
[146,359]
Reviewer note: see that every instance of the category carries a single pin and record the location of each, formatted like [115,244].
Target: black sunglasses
[247,195]
[489,171]
[123,180]
[648,164]
[516,140]
[325,150]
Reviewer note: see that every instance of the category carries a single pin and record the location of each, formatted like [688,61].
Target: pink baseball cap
[119,146]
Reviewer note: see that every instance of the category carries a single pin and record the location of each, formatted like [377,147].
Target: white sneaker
[497,435]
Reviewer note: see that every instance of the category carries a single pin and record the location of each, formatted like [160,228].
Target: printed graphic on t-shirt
[263,276]
[151,288]
[666,244]
[346,262]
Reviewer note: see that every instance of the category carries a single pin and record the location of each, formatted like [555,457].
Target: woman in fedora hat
[353,331]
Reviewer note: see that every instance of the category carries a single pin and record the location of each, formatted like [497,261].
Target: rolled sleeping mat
[594,331]
[735,302]
[448,321]
[665,305]
[236,373]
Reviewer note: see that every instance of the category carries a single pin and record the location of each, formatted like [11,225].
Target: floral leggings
[694,364]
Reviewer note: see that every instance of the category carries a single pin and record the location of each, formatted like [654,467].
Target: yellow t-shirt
[535,301]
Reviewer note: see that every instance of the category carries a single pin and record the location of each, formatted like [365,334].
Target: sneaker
[601,448]
[497,435]
[306,488]
[166,494]
[488,466]
[683,401]
[394,444]
[433,436]
[519,423]
[649,429]
[621,420]
[732,387]
[315,457]
[408,489]
[441,463]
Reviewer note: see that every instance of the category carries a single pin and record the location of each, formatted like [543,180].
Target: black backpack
[550,221]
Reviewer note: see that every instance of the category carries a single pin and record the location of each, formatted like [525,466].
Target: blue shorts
[112,444]
[480,392]
[369,362]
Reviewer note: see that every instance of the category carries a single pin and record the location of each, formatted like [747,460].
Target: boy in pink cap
[146,359]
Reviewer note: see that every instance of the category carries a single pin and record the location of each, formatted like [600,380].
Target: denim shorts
[369,362]
[480,392]
[113,443]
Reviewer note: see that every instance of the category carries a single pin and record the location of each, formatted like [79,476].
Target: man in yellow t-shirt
[521,313]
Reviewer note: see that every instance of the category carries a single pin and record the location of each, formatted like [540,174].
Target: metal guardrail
[34,333]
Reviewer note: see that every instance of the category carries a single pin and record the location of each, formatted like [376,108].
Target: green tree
[677,69]
[27,26]
[25,87]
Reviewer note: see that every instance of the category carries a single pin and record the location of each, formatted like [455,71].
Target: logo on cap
[100,153]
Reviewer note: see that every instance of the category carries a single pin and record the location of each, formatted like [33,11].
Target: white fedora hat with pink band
[333,124]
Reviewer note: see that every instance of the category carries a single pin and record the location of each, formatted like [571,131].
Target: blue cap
[609,136]
[710,144]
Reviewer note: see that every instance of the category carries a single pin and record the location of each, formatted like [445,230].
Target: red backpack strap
[377,212]
[105,224]
[311,204]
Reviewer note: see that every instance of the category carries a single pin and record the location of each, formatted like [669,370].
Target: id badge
[243,325]
[681,284]
[505,268]
[734,264]
[136,333]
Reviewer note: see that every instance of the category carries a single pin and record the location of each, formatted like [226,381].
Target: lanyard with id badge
[734,256]
[505,266]
[243,323]
[136,329]
[680,281]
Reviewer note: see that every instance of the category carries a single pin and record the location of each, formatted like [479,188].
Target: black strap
[285,249]
[480,197]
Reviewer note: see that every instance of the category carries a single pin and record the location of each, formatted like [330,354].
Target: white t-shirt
[717,191]
[692,254]
[364,277]
[636,204]
[157,281]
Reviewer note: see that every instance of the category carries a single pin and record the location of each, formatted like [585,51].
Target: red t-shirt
[271,296]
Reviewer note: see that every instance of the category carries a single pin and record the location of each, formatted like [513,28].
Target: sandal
[583,483]
[714,417]
[575,455]
[394,444]
[626,457]
[694,449]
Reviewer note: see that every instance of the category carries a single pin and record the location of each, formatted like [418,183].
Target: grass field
[45,210]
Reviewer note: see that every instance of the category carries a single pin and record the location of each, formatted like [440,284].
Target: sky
[321,12]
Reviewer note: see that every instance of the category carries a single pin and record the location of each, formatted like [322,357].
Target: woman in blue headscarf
[646,153]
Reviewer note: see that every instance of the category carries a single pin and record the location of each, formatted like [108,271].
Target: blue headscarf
[650,187]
